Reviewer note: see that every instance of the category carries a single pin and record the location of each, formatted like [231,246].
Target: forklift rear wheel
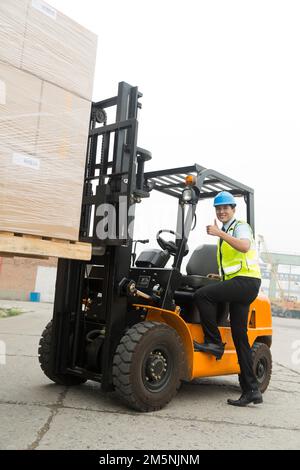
[148,366]
[262,365]
[44,359]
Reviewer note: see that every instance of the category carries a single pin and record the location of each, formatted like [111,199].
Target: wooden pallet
[33,246]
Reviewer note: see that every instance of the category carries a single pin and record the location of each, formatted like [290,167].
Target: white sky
[221,85]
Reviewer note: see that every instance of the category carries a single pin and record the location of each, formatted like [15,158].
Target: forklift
[129,323]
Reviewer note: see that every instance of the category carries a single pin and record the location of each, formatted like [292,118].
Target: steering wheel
[170,246]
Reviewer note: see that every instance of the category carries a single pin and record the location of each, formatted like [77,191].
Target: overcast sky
[221,85]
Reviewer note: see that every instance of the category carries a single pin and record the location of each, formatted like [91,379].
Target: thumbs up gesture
[213,229]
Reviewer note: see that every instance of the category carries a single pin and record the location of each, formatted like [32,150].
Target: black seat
[202,262]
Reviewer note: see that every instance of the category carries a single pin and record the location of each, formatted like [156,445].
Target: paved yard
[36,414]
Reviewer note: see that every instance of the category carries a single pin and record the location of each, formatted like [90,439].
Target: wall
[20,276]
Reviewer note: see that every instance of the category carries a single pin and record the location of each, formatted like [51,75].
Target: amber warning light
[190,180]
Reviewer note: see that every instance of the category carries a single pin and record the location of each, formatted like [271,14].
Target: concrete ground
[36,414]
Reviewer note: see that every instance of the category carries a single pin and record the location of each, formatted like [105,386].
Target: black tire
[287,314]
[44,360]
[262,365]
[148,366]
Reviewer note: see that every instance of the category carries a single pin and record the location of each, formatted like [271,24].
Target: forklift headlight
[187,195]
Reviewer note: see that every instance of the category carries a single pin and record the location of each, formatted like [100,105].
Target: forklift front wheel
[44,359]
[148,366]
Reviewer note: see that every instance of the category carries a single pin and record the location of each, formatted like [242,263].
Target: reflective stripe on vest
[252,261]
[232,269]
[233,263]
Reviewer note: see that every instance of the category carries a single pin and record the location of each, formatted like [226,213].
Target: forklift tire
[262,365]
[44,359]
[148,366]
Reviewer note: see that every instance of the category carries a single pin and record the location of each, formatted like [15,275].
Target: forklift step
[33,246]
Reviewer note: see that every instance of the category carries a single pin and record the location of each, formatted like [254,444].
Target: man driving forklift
[240,273]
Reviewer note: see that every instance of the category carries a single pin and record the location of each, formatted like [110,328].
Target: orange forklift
[130,323]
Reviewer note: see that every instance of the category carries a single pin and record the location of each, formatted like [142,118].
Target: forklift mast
[113,184]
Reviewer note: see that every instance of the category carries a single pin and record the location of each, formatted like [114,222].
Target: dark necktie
[221,241]
[223,230]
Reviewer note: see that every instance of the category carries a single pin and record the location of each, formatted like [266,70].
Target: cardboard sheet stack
[47,64]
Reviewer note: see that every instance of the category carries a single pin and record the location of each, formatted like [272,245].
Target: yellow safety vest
[233,263]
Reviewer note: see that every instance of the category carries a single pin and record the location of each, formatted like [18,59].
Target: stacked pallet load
[47,64]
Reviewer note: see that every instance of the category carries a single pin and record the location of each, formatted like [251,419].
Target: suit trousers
[240,292]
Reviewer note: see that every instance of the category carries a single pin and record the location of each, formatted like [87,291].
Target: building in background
[19,277]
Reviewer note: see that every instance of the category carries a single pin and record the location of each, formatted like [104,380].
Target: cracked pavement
[36,414]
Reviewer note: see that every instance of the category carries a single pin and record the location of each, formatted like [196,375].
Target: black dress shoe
[253,396]
[211,348]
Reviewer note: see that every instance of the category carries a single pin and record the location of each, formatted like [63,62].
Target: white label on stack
[44,8]
[28,161]
[2,92]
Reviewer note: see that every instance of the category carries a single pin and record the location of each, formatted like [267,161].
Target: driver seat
[202,262]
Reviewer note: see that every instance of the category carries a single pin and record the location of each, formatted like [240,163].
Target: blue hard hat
[224,198]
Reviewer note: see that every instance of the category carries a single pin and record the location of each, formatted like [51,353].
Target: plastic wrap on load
[12,30]
[47,66]
[38,39]
[43,140]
